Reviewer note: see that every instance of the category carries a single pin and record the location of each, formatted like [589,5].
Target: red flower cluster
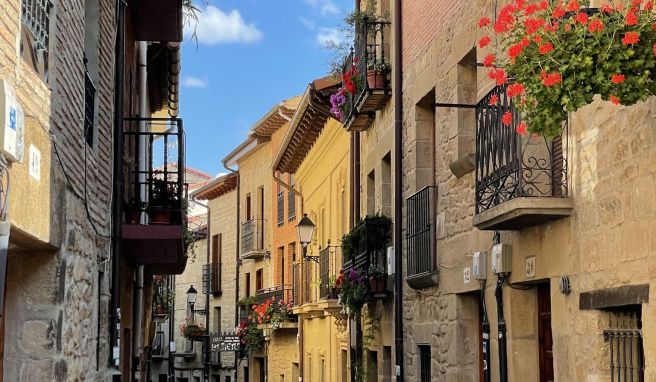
[515,89]
[546,48]
[550,79]
[617,78]
[348,79]
[630,38]
[596,25]
[507,118]
[489,60]
[499,75]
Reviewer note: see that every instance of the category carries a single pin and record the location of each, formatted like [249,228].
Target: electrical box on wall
[501,258]
[11,124]
[479,266]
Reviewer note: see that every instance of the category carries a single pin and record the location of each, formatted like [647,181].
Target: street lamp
[192,293]
[305,229]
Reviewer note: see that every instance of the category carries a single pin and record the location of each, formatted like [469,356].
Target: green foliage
[353,290]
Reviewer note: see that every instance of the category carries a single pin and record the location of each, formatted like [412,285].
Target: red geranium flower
[544,4]
[558,12]
[573,5]
[493,100]
[550,79]
[531,9]
[521,128]
[654,47]
[515,89]
[533,25]
[507,118]
[546,48]
[484,41]
[630,38]
[607,8]
[483,22]
[631,19]
[617,78]
[614,100]
[596,25]
[582,18]
[515,50]
[489,60]
[499,75]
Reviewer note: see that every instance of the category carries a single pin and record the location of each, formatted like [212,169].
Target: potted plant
[133,211]
[333,286]
[162,297]
[353,290]
[164,197]
[191,330]
[377,277]
[377,70]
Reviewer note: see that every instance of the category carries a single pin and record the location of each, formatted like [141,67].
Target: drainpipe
[237,260]
[485,326]
[139,295]
[503,356]
[171,363]
[117,189]
[206,342]
[398,189]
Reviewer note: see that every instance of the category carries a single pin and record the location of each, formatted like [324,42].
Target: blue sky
[250,55]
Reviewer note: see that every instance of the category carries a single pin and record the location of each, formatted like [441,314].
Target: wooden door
[544,334]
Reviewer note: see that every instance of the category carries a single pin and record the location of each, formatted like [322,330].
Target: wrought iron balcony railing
[420,231]
[368,67]
[280,293]
[252,238]
[35,15]
[159,347]
[155,181]
[510,165]
[367,243]
[328,270]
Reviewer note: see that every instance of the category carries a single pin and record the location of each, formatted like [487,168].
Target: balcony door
[544,333]
[261,225]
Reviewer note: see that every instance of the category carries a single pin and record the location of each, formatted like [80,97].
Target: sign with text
[224,342]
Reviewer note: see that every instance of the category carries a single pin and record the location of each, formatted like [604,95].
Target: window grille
[89,107]
[421,231]
[425,362]
[324,271]
[35,16]
[291,206]
[281,208]
[624,337]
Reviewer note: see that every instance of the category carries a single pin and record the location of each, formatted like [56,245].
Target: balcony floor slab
[523,212]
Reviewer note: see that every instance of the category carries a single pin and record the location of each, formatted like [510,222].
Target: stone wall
[604,244]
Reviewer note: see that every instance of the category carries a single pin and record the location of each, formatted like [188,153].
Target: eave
[216,188]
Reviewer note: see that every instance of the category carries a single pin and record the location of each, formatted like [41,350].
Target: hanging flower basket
[557,56]
[192,331]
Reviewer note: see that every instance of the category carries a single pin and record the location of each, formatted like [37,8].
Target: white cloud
[215,26]
[326,7]
[194,82]
[330,36]
[308,23]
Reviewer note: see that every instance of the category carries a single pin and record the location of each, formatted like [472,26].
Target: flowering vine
[555,56]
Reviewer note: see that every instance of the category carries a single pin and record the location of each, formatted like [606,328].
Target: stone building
[61,210]
[578,245]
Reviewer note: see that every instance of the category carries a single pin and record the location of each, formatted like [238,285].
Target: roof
[219,186]
[307,124]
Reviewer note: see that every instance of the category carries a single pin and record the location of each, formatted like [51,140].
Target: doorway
[545,338]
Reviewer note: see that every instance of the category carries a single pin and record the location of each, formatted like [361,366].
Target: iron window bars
[291,205]
[510,165]
[420,230]
[369,47]
[89,107]
[252,236]
[281,208]
[624,337]
[327,271]
[35,15]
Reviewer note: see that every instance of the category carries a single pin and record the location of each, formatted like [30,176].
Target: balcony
[280,293]
[252,239]
[369,64]
[366,244]
[328,273]
[158,20]
[421,238]
[521,181]
[153,232]
[159,349]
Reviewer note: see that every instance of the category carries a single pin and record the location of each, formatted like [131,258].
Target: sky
[250,55]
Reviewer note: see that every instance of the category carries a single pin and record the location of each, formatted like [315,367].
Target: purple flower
[352,275]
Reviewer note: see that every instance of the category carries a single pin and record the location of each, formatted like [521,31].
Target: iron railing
[371,248]
[627,356]
[510,165]
[368,50]
[159,347]
[280,293]
[328,272]
[156,179]
[89,108]
[420,231]
[252,236]
[35,15]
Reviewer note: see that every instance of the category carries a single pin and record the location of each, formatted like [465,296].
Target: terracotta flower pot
[133,217]
[160,217]
[377,285]
[375,79]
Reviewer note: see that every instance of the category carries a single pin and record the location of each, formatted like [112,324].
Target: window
[248,284]
[89,108]
[35,34]
[249,211]
[291,201]
[259,280]
[372,366]
[387,363]
[91,66]
[217,249]
[421,238]
[371,193]
[280,265]
[545,338]
[425,363]
[626,352]
[292,251]
[217,319]
[386,185]
[281,207]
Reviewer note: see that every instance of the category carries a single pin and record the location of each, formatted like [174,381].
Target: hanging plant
[251,338]
[353,288]
[162,296]
[191,330]
[272,312]
[556,56]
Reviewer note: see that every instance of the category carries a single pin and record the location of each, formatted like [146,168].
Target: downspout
[143,109]
[237,260]
[501,321]
[398,189]
[117,196]
[206,343]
